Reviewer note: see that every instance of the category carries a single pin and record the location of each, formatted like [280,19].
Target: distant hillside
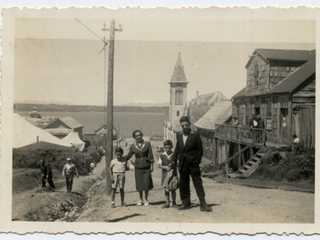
[86,108]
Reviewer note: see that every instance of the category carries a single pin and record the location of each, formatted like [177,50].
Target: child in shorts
[166,164]
[118,167]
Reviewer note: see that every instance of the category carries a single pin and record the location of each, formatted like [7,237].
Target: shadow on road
[124,217]
[157,203]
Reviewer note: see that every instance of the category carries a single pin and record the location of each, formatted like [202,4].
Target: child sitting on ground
[168,170]
[118,167]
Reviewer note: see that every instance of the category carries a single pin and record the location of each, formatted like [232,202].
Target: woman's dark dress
[142,163]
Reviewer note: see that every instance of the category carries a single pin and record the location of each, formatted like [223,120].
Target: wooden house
[220,113]
[201,104]
[280,88]
[102,131]
[57,126]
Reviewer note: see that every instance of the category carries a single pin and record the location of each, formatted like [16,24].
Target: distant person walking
[143,165]
[68,171]
[189,152]
[46,172]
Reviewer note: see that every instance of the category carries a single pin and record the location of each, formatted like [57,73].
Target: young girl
[167,167]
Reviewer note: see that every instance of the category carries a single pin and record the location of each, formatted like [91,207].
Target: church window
[179,97]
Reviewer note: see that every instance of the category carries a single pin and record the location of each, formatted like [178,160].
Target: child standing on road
[68,171]
[168,170]
[118,167]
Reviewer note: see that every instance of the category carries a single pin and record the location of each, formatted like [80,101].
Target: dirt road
[230,204]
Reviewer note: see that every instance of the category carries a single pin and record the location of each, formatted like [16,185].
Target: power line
[65,78]
[90,30]
[104,70]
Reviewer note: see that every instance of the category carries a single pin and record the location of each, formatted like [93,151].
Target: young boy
[118,167]
[68,171]
[165,163]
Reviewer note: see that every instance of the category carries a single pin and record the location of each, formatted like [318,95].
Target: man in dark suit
[189,152]
[46,173]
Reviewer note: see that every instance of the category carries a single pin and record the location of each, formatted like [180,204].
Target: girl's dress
[142,163]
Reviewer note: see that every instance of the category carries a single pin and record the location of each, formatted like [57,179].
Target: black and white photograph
[158,117]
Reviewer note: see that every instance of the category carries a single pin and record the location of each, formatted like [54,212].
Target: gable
[58,124]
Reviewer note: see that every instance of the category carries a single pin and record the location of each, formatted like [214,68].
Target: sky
[60,60]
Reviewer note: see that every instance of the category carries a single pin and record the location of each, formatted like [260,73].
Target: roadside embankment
[43,204]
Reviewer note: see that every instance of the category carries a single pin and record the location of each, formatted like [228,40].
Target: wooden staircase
[249,167]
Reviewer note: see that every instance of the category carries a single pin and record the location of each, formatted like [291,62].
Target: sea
[151,124]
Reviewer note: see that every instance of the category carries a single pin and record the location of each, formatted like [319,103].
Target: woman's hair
[118,149]
[136,131]
[168,143]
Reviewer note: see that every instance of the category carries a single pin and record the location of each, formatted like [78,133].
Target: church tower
[178,92]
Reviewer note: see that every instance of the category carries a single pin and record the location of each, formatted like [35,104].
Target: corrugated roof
[241,93]
[178,72]
[41,122]
[218,114]
[294,80]
[282,55]
[208,99]
[71,122]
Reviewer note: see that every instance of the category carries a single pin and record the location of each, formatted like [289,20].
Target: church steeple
[178,91]
[178,73]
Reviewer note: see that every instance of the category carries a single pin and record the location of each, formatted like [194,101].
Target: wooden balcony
[245,135]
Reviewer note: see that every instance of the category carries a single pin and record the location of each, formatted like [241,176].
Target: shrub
[27,158]
[294,174]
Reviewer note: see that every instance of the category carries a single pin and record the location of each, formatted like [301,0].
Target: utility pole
[109,135]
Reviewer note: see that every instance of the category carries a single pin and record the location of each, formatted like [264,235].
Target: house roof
[42,122]
[241,93]
[71,122]
[218,114]
[58,131]
[294,80]
[101,126]
[281,55]
[25,133]
[208,99]
[178,72]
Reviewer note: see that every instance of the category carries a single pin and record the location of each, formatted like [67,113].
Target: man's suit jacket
[191,152]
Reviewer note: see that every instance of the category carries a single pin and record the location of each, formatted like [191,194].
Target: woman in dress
[143,165]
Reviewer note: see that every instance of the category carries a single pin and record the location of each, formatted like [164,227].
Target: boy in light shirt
[118,167]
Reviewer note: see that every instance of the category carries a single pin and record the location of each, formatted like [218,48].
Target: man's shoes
[205,208]
[113,205]
[184,207]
